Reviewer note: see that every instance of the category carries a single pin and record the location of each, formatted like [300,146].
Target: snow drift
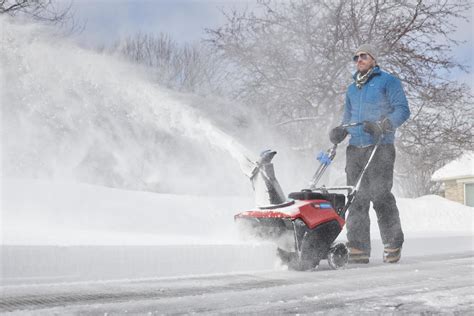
[44,213]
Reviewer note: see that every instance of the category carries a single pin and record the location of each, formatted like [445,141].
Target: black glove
[386,125]
[337,134]
[376,129]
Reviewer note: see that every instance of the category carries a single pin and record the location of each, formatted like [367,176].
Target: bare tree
[43,10]
[293,60]
[183,67]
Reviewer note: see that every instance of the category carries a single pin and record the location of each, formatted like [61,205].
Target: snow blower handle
[351,124]
[325,159]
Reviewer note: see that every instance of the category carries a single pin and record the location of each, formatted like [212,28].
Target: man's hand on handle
[337,134]
[377,129]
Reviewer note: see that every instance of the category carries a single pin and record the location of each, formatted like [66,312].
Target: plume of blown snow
[77,115]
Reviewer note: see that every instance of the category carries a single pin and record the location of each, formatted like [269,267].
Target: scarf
[361,79]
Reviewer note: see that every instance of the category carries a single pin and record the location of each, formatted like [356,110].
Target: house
[458,179]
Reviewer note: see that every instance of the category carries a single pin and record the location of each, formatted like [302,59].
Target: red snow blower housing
[305,225]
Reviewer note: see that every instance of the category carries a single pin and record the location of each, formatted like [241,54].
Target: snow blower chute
[306,224]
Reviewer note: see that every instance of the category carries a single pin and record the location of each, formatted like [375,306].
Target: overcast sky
[185,20]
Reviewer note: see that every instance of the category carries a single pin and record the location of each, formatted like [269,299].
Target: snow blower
[306,224]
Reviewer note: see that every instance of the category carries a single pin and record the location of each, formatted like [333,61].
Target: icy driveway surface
[429,284]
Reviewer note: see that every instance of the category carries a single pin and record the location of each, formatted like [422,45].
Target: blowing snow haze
[70,114]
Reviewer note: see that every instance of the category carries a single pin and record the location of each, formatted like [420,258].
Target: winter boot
[358,256]
[392,255]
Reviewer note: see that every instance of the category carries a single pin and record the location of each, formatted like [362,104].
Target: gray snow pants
[376,188]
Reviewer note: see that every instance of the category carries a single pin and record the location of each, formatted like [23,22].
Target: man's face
[364,62]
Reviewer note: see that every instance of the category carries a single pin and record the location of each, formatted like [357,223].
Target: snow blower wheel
[338,256]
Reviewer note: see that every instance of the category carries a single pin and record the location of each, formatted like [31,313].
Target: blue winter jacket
[381,96]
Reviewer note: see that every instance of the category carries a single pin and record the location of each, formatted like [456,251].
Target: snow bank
[53,213]
[432,215]
[429,216]
[40,212]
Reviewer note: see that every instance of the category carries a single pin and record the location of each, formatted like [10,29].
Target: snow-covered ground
[87,232]
[96,250]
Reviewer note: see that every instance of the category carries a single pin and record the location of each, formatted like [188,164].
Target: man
[375,98]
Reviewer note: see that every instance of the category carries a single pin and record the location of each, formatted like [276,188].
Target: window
[469,194]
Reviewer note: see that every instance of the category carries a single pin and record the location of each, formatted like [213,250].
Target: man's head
[365,58]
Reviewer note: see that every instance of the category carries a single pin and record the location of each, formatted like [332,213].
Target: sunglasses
[362,56]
